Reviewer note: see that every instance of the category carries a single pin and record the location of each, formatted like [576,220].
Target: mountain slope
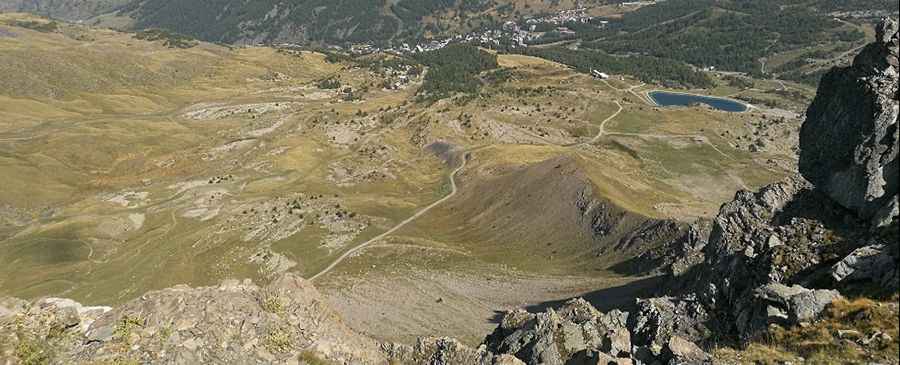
[577,225]
[62,9]
[275,21]
[234,21]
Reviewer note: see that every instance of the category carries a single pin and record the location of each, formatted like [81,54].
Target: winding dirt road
[600,133]
[418,214]
[603,124]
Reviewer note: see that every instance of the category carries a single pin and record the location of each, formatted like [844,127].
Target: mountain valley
[331,206]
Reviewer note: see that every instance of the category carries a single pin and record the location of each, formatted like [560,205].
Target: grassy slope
[112,122]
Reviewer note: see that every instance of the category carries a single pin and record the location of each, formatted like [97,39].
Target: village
[510,34]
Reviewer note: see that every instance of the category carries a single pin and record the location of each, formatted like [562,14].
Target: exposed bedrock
[848,144]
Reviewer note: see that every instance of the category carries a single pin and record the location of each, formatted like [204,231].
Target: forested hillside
[62,9]
[786,39]
[454,69]
[362,21]
[231,21]
[736,35]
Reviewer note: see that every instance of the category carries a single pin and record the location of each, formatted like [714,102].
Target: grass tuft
[311,358]
[851,331]
[126,325]
[32,353]
[279,340]
[272,301]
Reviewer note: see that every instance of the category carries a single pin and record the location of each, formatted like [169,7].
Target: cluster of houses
[514,38]
[510,34]
[639,3]
[397,78]
[579,15]
[513,34]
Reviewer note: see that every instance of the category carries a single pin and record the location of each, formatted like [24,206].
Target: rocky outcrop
[766,248]
[676,257]
[772,257]
[237,322]
[657,320]
[687,251]
[445,351]
[660,331]
[848,144]
[784,305]
[873,263]
[756,241]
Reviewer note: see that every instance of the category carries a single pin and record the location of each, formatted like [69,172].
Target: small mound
[545,211]
[445,151]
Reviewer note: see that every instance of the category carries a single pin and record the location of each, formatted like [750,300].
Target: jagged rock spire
[848,143]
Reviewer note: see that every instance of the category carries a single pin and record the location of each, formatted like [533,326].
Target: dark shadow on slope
[497,317]
[618,297]
[814,205]
[658,243]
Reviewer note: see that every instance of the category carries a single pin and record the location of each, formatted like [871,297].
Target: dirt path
[781,84]
[603,123]
[418,214]
[699,137]
[631,90]
[599,134]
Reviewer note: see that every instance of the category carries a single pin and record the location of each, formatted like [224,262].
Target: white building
[599,75]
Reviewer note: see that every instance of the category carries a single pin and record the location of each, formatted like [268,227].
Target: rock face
[577,333]
[757,241]
[874,263]
[236,322]
[787,305]
[848,144]
[772,257]
[285,322]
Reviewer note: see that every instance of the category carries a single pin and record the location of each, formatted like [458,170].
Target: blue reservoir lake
[664,98]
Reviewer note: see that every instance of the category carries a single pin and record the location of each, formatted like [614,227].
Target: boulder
[657,320]
[873,263]
[784,305]
[444,351]
[682,351]
[506,359]
[576,333]
[849,141]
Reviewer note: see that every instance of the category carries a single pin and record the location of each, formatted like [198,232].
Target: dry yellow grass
[851,331]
